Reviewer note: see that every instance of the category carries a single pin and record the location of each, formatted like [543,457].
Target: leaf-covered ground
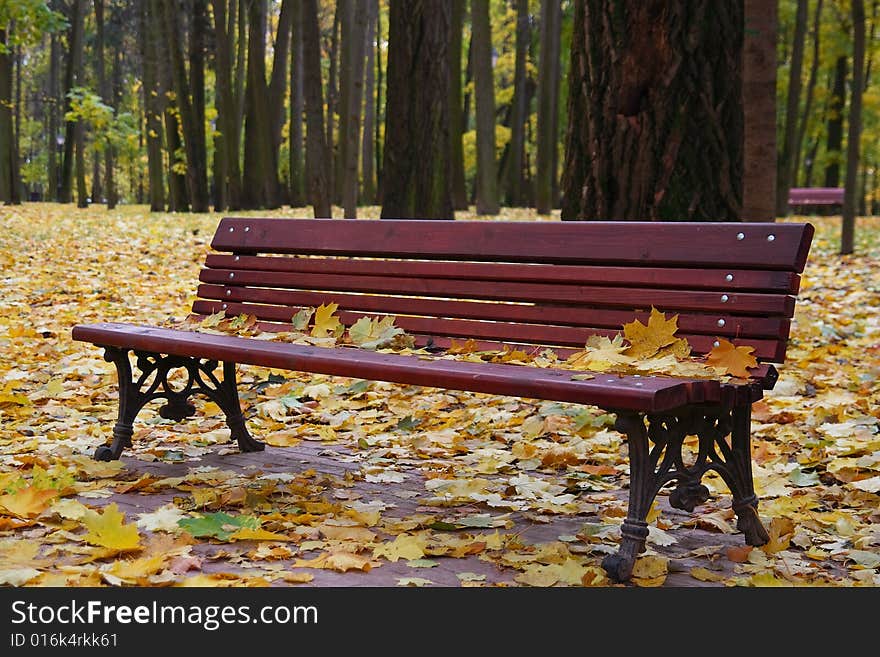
[368,483]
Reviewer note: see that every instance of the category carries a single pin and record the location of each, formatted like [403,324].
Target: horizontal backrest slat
[518,333]
[700,300]
[781,246]
[287,302]
[666,277]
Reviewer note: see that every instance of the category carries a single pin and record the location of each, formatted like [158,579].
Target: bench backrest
[531,282]
[815,195]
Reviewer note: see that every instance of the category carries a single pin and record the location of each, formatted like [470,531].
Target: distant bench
[529,285]
[815,196]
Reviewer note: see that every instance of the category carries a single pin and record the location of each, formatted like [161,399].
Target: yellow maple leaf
[27,502]
[108,530]
[326,323]
[134,571]
[648,339]
[404,546]
[734,360]
[601,354]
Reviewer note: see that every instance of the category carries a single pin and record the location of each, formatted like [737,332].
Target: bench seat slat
[612,297]
[689,244]
[281,306]
[724,279]
[649,394]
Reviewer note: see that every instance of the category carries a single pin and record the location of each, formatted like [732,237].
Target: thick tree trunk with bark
[760,188]
[655,126]
[317,152]
[416,178]
[484,95]
[850,200]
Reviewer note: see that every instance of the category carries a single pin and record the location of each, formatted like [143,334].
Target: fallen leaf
[734,360]
[108,529]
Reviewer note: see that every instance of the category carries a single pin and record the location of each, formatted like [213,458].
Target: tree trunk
[484,94]
[6,140]
[72,74]
[197,45]
[229,181]
[548,103]
[79,137]
[761,193]
[332,109]
[377,141]
[104,88]
[785,168]
[193,128]
[278,81]
[811,85]
[416,180]
[295,164]
[152,103]
[317,154]
[52,170]
[514,183]
[353,59]
[655,127]
[850,203]
[835,124]
[260,174]
[368,184]
[456,116]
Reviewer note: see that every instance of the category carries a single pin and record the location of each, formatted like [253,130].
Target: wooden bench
[815,196]
[544,284]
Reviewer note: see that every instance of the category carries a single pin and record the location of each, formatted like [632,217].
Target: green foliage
[26,21]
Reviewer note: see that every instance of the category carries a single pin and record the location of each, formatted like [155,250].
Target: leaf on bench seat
[326,323]
[658,335]
[734,360]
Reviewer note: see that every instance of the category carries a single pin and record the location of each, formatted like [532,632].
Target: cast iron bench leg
[651,468]
[153,383]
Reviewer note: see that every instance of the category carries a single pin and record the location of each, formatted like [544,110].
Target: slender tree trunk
[260,173]
[353,53]
[785,167]
[761,193]
[317,153]
[72,74]
[379,105]
[811,85]
[514,183]
[6,138]
[193,128]
[229,182]
[847,236]
[53,105]
[835,124]
[547,105]
[104,87]
[484,93]
[332,109]
[368,188]
[152,90]
[82,200]
[456,117]
[655,114]
[278,81]
[295,164]
[197,46]
[416,180]
[17,187]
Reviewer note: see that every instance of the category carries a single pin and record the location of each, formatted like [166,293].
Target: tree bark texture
[808,96]
[456,115]
[72,73]
[515,193]
[785,169]
[416,179]
[368,171]
[655,126]
[295,164]
[761,193]
[834,143]
[548,90]
[484,95]
[6,141]
[152,106]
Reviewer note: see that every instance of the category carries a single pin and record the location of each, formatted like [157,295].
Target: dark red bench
[546,284]
[815,196]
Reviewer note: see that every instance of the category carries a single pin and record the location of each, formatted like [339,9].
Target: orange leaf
[28,502]
[647,340]
[734,360]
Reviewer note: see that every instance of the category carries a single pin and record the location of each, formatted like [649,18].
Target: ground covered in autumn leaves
[374,484]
